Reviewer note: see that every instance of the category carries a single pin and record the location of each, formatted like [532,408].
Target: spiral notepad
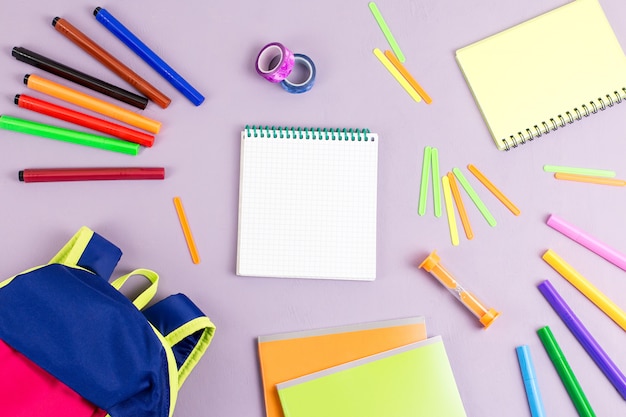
[307,203]
[545,73]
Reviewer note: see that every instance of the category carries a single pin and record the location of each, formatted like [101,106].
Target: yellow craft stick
[481,177]
[447,197]
[460,206]
[593,180]
[195,258]
[589,290]
[396,74]
[403,71]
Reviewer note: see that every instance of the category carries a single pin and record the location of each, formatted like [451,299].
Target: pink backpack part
[26,390]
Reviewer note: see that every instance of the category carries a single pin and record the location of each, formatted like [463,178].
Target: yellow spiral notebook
[545,73]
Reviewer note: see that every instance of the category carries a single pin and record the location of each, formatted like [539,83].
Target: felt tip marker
[588,342]
[39,61]
[67,135]
[144,52]
[82,119]
[568,378]
[105,58]
[91,174]
[530,381]
[37,83]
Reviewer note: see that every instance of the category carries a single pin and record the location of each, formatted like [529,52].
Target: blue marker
[530,381]
[137,46]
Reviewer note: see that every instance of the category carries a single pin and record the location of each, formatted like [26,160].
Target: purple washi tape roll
[275,62]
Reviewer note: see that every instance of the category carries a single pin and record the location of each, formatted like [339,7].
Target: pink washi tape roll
[275,62]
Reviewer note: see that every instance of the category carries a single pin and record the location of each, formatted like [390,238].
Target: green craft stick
[421,209]
[472,194]
[383,26]
[565,372]
[67,135]
[434,153]
[579,171]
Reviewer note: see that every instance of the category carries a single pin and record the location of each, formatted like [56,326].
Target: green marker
[477,201]
[67,135]
[579,171]
[421,208]
[383,26]
[434,153]
[565,372]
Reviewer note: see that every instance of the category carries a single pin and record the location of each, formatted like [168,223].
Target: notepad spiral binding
[308,133]
[570,117]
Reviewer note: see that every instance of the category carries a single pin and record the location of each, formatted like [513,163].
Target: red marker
[82,119]
[90,174]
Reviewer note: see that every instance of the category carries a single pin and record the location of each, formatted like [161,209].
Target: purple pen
[608,367]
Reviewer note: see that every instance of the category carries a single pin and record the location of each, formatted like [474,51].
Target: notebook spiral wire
[570,117]
[308,133]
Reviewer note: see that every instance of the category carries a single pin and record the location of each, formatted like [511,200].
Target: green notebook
[413,380]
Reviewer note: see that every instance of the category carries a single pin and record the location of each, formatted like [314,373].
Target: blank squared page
[307,207]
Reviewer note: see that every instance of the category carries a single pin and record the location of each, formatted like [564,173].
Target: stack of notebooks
[386,368]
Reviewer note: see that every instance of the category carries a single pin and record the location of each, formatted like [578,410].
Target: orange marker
[61,92]
[460,207]
[195,258]
[485,315]
[396,63]
[590,179]
[479,175]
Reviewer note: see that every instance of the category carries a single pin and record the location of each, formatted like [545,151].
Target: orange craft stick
[195,258]
[396,63]
[479,175]
[61,92]
[460,206]
[590,179]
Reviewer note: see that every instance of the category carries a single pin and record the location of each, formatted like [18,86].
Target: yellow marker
[447,197]
[195,258]
[61,92]
[589,290]
[396,74]
[485,315]
[407,75]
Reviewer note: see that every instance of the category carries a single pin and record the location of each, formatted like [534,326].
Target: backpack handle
[146,295]
[90,251]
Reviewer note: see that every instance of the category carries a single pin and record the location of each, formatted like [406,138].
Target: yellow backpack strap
[146,295]
[90,251]
[187,330]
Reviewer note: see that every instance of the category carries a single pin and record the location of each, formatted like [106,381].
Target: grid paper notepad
[545,73]
[307,203]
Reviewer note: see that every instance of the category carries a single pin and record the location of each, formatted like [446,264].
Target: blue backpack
[69,320]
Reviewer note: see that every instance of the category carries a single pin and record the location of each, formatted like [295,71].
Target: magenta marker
[587,241]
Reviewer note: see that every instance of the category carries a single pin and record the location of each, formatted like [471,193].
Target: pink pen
[587,241]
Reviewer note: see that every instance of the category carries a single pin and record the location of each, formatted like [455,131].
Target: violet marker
[606,365]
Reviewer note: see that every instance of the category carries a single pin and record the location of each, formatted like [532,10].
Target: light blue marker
[530,381]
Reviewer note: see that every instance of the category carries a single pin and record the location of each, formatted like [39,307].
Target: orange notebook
[286,356]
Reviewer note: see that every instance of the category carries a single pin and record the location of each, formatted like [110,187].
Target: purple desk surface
[214,46]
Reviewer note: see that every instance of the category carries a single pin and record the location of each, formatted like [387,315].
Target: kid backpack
[70,339]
